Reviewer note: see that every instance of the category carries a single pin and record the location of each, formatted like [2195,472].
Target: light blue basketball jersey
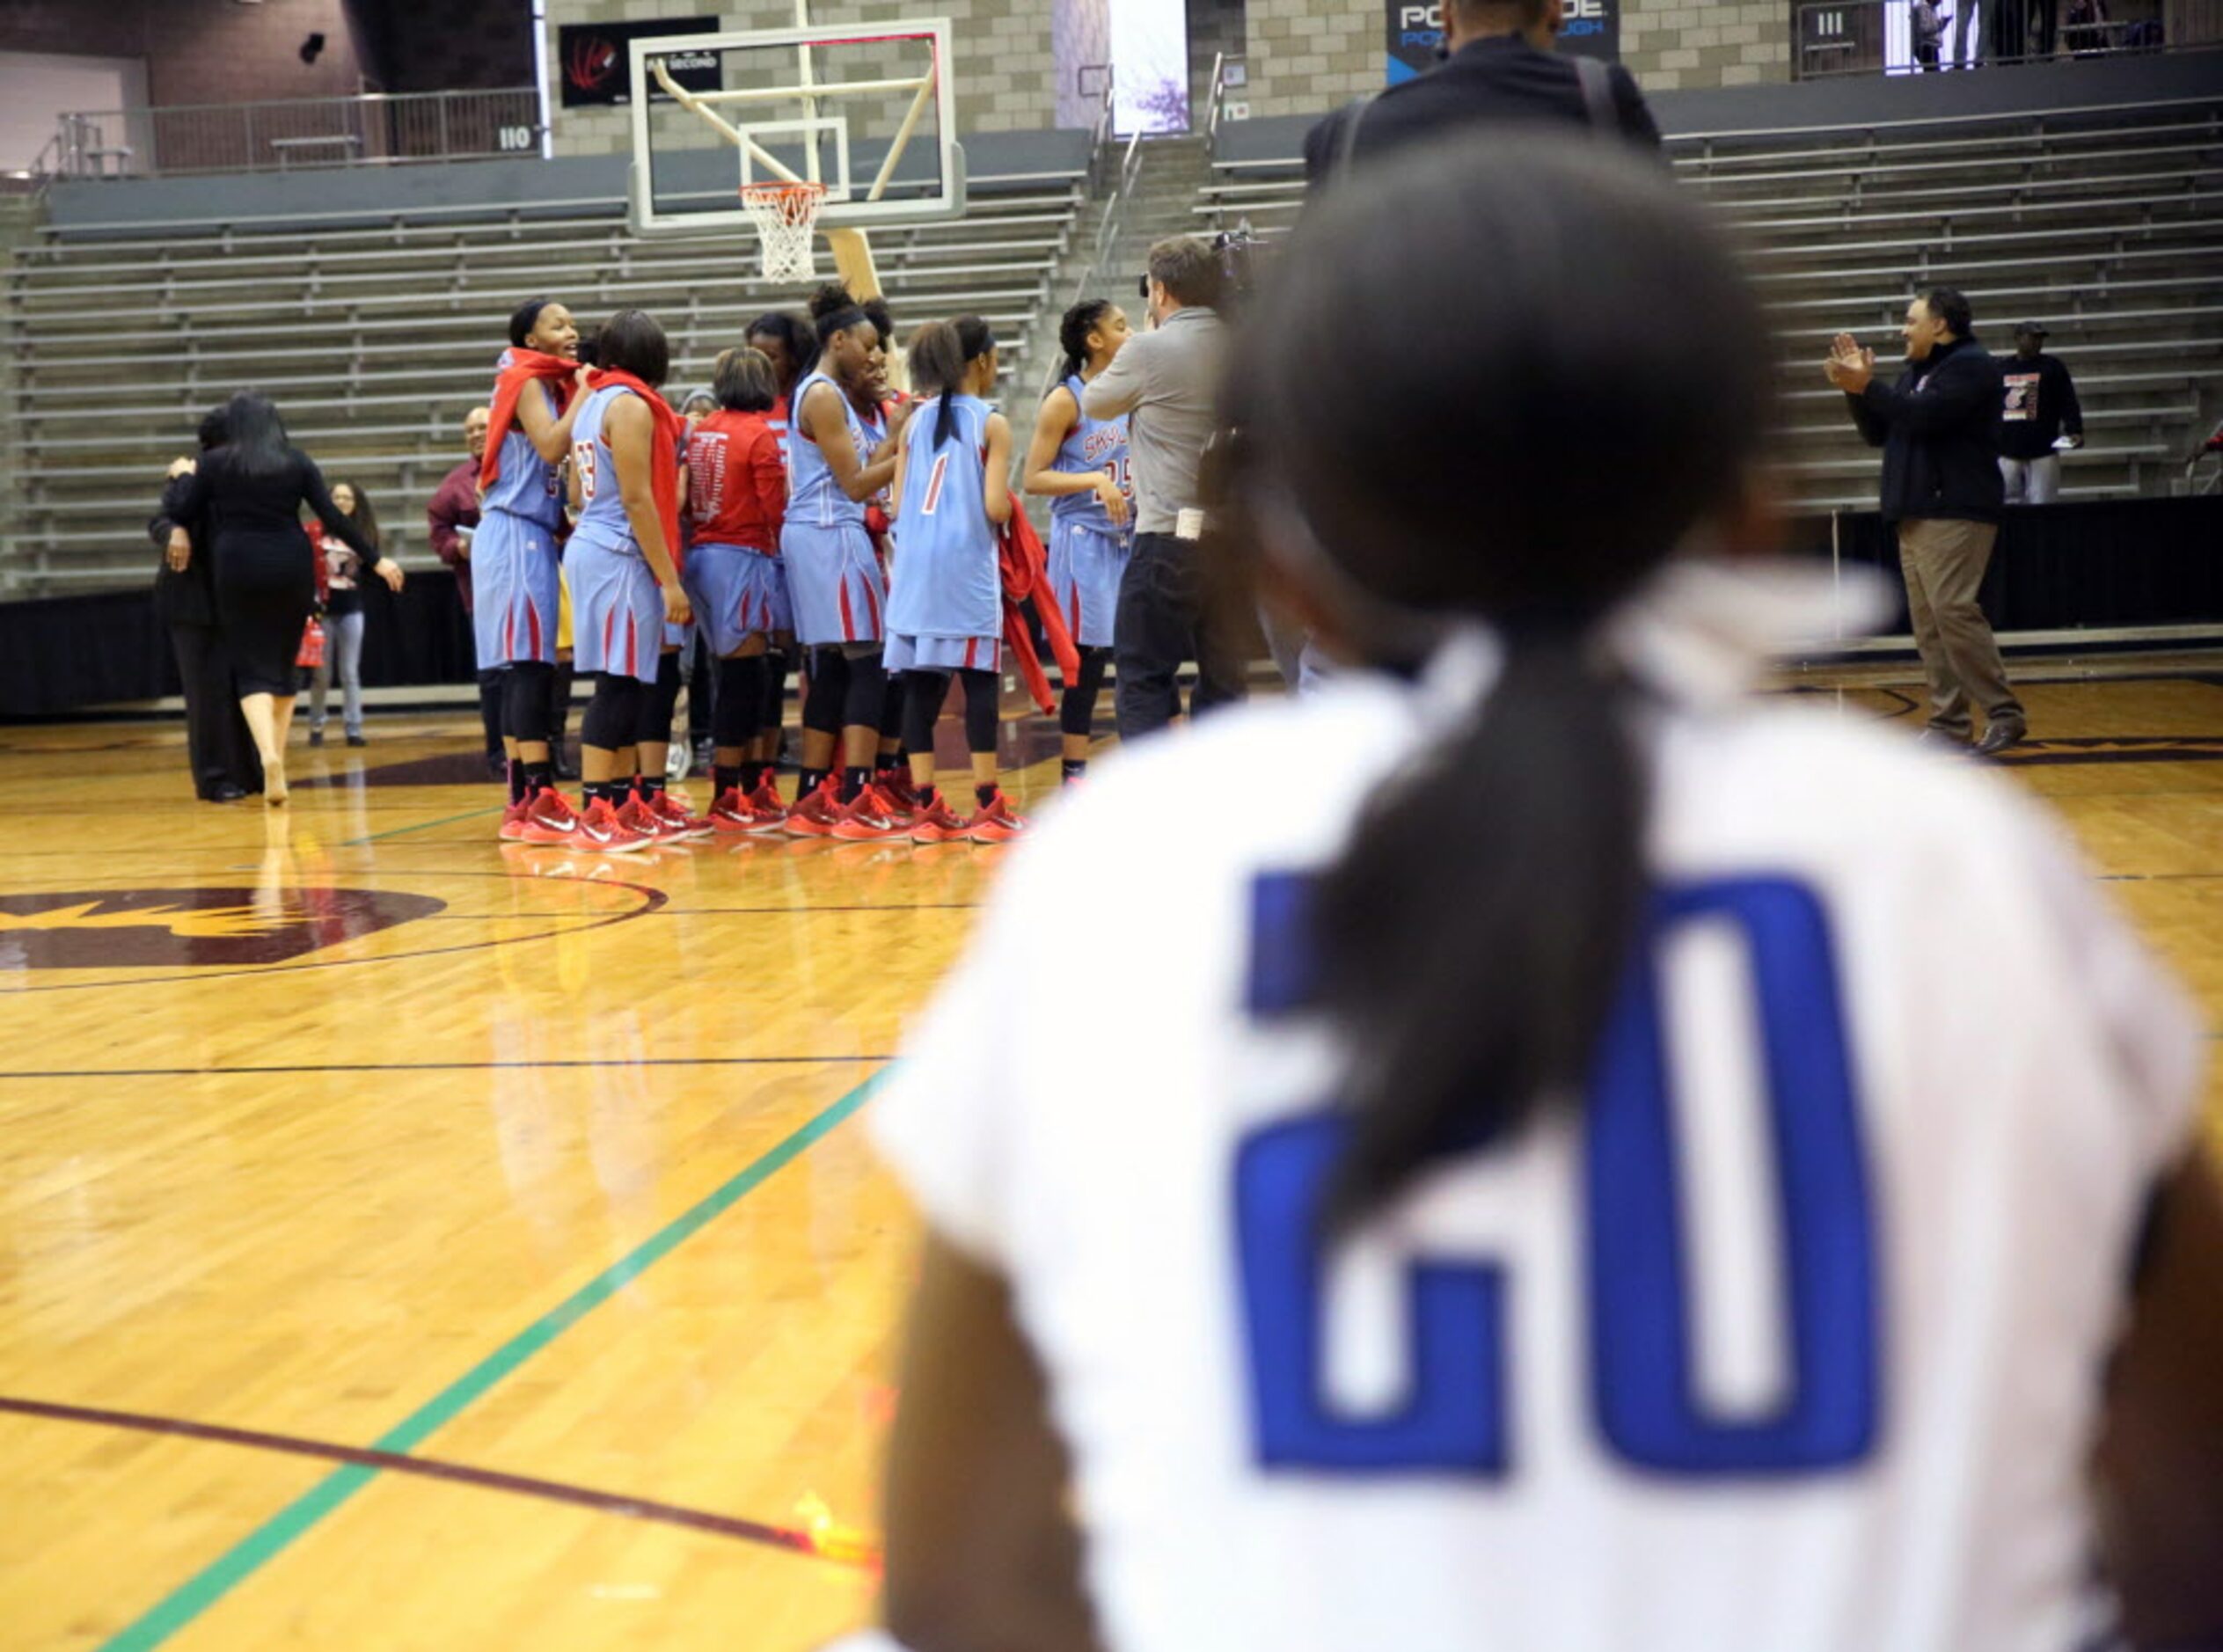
[529,485]
[814,494]
[1091,444]
[945,582]
[602,521]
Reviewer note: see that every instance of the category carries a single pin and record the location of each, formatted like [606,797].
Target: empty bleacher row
[2107,225]
[376,340]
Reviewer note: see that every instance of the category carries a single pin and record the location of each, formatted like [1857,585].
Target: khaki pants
[1944,562]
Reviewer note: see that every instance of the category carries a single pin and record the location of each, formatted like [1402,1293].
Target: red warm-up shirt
[736,482]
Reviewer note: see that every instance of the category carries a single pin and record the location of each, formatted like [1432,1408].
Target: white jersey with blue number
[945,582]
[1788,1340]
[602,520]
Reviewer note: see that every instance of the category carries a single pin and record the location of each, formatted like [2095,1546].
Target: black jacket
[189,598]
[2041,406]
[1502,78]
[1939,427]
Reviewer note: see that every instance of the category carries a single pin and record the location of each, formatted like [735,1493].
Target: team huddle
[805,514]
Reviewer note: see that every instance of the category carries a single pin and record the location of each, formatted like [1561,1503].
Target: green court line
[422,826]
[185,1603]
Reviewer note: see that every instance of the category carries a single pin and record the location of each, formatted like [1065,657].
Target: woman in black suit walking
[244,503]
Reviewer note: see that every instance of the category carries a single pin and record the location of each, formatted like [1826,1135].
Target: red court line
[757,1531]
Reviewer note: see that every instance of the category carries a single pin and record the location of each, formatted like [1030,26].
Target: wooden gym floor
[411,1241]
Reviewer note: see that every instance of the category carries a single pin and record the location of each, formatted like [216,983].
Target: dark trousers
[1164,618]
[217,743]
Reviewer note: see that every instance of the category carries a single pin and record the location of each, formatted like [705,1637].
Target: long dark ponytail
[1564,374]
[940,353]
[1073,329]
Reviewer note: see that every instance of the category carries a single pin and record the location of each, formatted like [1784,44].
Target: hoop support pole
[902,140]
[733,133]
[853,259]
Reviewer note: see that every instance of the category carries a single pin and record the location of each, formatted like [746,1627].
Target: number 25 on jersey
[1455,1416]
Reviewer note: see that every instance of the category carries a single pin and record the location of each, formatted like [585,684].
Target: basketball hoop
[785,215]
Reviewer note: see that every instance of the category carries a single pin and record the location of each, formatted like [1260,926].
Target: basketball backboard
[867,110]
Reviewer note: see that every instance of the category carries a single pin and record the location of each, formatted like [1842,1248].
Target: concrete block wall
[1308,56]
[1675,44]
[1006,67]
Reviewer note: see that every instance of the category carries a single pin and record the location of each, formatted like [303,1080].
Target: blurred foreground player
[1630,1164]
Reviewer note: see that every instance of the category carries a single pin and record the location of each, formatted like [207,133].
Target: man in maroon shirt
[452,517]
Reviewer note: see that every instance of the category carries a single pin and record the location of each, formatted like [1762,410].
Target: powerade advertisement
[1593,29]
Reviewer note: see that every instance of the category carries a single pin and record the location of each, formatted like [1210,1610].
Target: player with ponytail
[1080,464]
[945,611]
[1624,1159]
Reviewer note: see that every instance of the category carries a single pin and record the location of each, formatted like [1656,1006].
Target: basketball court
[415,1240]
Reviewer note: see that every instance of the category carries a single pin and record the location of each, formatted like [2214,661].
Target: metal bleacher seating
[376,340]
[2107,225]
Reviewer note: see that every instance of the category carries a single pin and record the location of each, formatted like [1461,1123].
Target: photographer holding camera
[1167,381]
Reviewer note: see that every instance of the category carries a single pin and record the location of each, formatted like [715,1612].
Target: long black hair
[1073,329]
[254,436]
[801,342]
[364,516]
[1609,378]
[940,353]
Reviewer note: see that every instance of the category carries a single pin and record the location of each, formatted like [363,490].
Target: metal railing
[377,129]
[1217,111]
[1108,232]
[1871,37]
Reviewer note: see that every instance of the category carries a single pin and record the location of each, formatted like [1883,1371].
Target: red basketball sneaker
[868,819]
[766,800]
[671,812]
[996,822]
[601,832]
[513,822]
[548,818]
[636,815]
[935,823]
[896,788]
[730,815]
[814,816]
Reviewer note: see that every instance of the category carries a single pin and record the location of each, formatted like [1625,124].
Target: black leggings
[924,694]
[1077,710]
[659,701]
[741,701]
[612,721]
[525,699]
[845,692]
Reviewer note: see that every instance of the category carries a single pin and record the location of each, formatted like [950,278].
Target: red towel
[1024,567]
[517,368]
[666,443]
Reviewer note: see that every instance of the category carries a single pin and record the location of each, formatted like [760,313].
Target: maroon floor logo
[128,929]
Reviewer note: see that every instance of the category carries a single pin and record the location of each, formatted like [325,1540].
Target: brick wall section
[1006,69]
[1308,56]
[1675,44]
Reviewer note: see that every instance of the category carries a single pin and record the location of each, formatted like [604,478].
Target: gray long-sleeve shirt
[1168,382]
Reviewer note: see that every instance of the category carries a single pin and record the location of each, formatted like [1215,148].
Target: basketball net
[785,215]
